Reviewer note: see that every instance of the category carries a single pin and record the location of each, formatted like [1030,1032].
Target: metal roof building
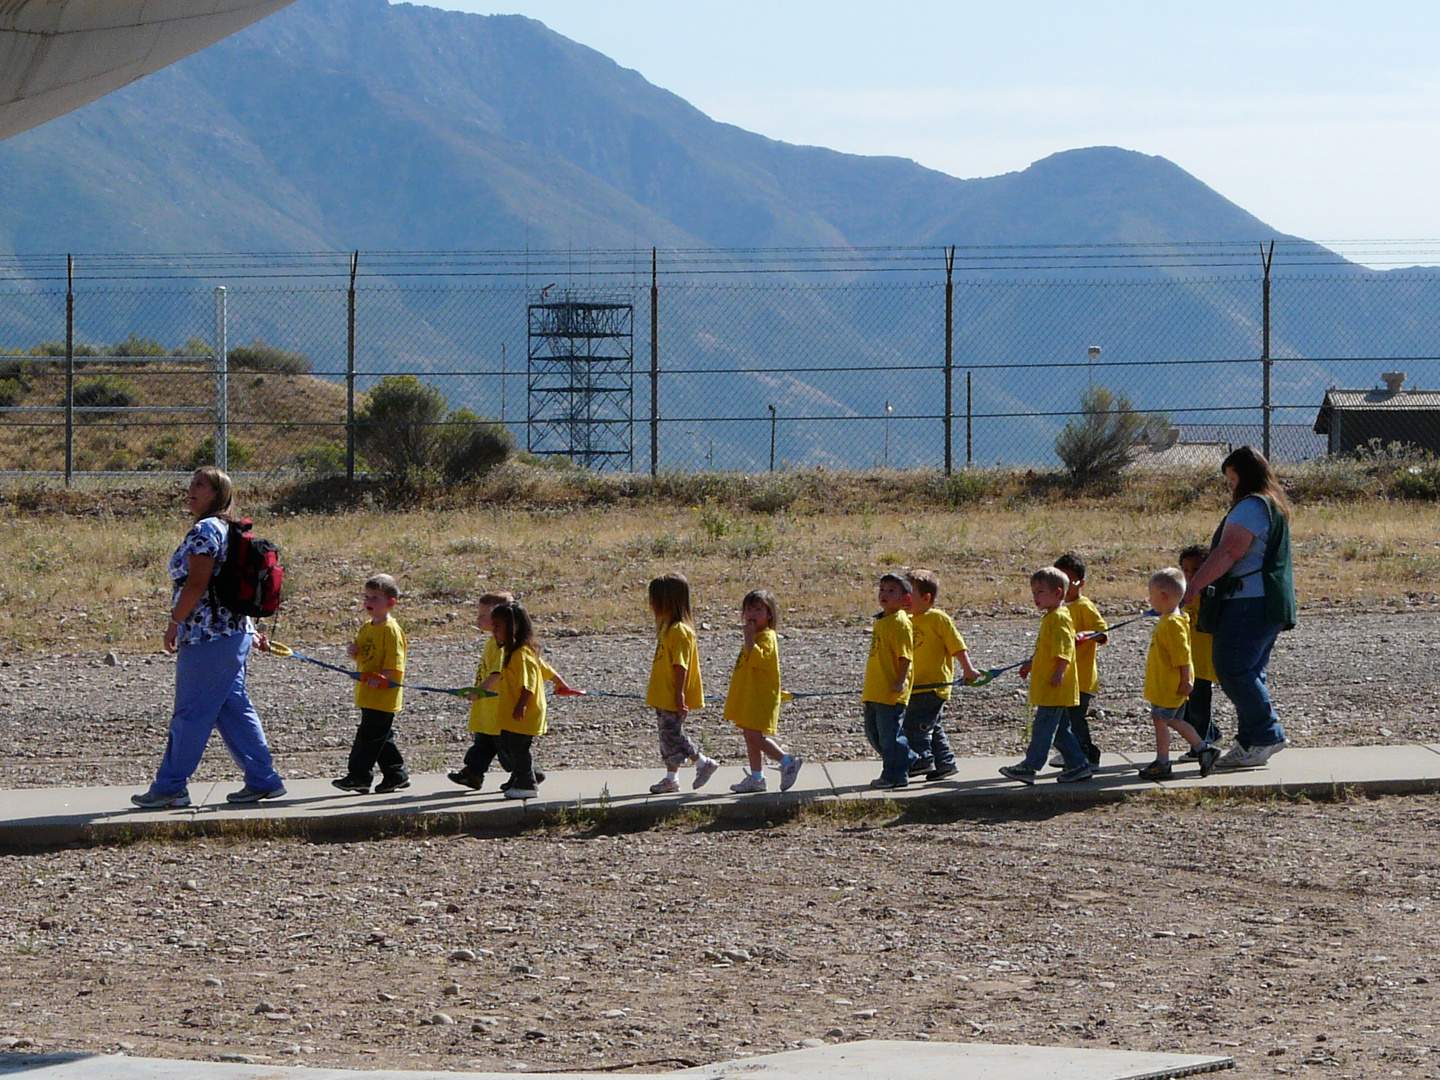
[1353,420]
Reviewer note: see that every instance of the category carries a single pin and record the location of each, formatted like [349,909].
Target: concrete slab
[37,817]
[873,1060]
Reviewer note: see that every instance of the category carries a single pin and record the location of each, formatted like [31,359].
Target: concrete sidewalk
[40,817]
[874,1060]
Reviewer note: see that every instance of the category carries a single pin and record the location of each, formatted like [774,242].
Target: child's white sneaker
[667,786]
[749,784]
[704,769]
[790,770]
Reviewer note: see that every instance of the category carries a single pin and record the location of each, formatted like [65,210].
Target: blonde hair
[490,599]
[223,505]
[766,599]
[670,600]
[384,583]
[1051,576]
[1170,580]
[925,582]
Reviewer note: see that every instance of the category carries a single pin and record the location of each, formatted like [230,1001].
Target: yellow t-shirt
[483,718]
[380,648]
[1200,644]
[1169,652]
[1087,619]
[754,698]
[937,640]
[676,646]
[525,671]
[891,640]
[1054,641]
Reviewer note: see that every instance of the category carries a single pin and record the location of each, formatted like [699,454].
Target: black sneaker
[1019,772]
[942,772]
[1157,770]
[466,778]
[539,779]
[921,765]
[391,783]
[356,784]
[1207,759]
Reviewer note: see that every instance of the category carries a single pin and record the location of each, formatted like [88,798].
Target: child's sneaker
[1079,772]
[704,769]
[391,783]
[790,771]
[521,793]
[667,786]
[357,784]
[539,779]
[749,784]
[1190,755]
[1021,772]
[466,778]
[1157,770]
[1207,758]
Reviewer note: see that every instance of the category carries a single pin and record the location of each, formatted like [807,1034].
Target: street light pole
[1091,355]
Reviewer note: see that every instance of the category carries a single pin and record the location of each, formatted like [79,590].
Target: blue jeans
[1243,640]
[1052,728]
[1080,727]
[209,694]
[1199,713]
[925,733]
[884,732]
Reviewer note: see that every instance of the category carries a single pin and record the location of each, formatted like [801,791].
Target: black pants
[1080,726]
[485,749]
[1199,711]
[522,766]
[375,744]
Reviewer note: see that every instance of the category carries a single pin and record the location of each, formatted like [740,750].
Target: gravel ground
[1344,677]
[1296,936]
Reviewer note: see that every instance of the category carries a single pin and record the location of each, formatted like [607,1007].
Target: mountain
[343,124]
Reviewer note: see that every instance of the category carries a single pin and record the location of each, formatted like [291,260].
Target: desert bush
[326,460]
[1107,436]
[258,356]
[238,455]
[11,391]
[1416,482]
[404,428]
[962,487]
[57,349]
[471,447]
[104,392]
[135,345]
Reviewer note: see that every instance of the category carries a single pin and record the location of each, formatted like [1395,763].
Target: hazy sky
[1321,118]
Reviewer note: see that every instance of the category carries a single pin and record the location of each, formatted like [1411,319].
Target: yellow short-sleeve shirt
[1169,652]
[1200,644]
[380,648]
[483,718]
[891,640]
[676,647]
[753,700]
[1055,641]
[525,671]
[1088,620]
[937,640]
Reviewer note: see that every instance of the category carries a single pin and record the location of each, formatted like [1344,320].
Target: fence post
[222,388]
[967,419]
[949,349]
[350,373]
[1267,256]
[654,364]
[69,367]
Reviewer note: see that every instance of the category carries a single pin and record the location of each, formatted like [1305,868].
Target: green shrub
[258,356]
[1330,478]
[11,391]
[104,392]
[1107,436]
[324,460]
[962,487]
[471,447]
[57,348]
[1417,482]
[238,454]
[135,345]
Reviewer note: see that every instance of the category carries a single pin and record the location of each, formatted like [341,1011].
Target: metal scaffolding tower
[581,382]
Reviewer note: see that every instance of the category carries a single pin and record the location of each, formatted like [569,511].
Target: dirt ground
[1296,936]
[1344,677]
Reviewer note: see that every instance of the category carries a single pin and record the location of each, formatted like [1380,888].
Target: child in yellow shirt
[675,688]
[753,702]
[1090,627]
[519,696]
[1199,708]
[1054,688]
[888,677]
[1168,677]
[379,655]
[938,645]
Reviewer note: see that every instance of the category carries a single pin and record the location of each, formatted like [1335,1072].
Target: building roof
[1376,400]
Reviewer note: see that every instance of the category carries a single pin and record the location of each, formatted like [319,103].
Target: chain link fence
[702,360]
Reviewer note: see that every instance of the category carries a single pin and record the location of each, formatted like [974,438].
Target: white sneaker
[749,784]
[1242,757]
[790,771]
[521,793]
[1271,750]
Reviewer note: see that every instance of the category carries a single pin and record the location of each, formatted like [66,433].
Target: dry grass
[81,573]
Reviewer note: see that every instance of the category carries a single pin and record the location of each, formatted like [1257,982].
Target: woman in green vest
[1247,599]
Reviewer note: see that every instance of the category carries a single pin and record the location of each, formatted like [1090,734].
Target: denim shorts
[1160,712]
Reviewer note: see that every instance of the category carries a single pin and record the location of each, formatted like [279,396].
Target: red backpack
[251,577]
